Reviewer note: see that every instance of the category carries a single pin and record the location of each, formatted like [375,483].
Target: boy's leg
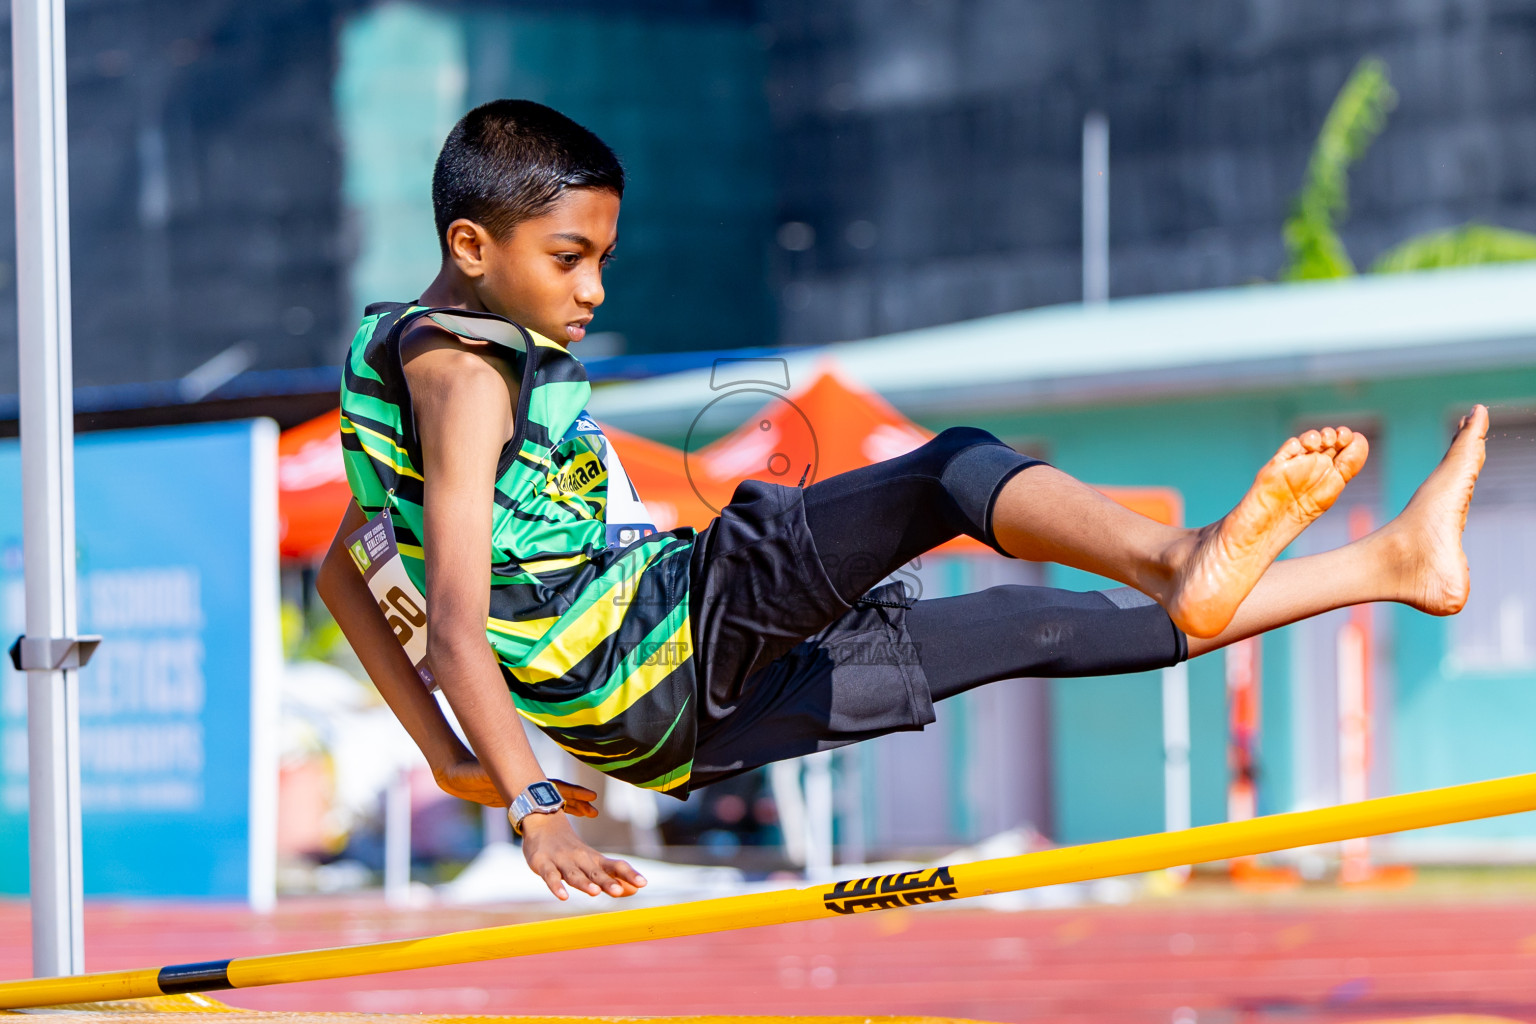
[856,679]
[869,521]
[1011,632]
[1017,632]
[1200,576]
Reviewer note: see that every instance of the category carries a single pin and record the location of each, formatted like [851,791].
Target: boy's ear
[467,242]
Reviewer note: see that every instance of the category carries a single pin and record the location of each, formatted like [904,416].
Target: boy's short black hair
[509,160]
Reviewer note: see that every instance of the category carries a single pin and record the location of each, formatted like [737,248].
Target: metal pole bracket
[47,654]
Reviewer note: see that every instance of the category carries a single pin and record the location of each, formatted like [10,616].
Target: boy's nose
[589,292]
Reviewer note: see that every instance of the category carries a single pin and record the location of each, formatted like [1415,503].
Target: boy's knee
[976,465]
[953,440]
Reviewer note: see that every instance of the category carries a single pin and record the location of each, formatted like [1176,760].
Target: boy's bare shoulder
[441,367]
[433,348]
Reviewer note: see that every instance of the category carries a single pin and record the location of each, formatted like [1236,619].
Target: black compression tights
[869,522]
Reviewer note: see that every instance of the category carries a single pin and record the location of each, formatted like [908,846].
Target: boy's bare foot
[1224,560]
[1428,533]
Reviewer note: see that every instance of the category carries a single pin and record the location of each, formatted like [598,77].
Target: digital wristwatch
[538,798]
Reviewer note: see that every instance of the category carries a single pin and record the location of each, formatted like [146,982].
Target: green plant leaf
[1359,112]
[1464,246]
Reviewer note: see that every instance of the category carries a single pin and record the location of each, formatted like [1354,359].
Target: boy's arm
[347,598]
[463,406]
[351,604]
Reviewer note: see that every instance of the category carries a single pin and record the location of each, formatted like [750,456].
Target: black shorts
[799,648]
[786,667]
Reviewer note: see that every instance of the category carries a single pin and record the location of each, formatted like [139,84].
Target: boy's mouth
[577,329]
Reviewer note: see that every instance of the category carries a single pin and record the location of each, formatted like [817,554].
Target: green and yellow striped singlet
[589,607]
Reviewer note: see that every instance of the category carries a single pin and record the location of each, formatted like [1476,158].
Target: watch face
[545,794]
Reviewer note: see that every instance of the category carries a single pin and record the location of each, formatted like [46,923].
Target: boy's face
[548,274]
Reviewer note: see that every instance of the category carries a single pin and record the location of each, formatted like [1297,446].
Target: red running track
[1142,963]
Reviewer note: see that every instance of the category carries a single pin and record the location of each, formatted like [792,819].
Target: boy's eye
[569,259]
[608,257]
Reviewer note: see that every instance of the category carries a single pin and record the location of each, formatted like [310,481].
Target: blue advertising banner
[176,532]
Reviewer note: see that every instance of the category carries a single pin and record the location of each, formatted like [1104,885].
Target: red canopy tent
[830,426]
[312,490]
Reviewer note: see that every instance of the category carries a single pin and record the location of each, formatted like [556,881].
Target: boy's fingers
[575,875]
[607,885]
[551,876]
[626,887]
[622,870]
[611,885]
[571,790]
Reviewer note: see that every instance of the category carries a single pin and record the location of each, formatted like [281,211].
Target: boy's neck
[451,289]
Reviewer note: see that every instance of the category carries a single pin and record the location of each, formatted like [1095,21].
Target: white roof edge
[1268,331]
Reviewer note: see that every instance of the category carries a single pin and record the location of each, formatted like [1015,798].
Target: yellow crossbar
[1051,867]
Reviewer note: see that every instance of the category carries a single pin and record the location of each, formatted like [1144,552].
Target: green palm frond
[1464,246]
[1357,116]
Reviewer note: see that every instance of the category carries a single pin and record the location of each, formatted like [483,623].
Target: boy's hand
[578,799]
[468,780]
[558,856]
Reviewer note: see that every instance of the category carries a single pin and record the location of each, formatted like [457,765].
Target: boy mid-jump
[672,659]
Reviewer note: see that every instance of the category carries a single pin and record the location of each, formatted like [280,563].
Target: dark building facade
[928,151]
[801,170]
[204,173]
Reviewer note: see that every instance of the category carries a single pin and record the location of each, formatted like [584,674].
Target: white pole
[48,481]
[397,840]
[1095,208]
[266,671]
[852,805]
[818,817]
[1176,797]
[1354,743]
[784,779]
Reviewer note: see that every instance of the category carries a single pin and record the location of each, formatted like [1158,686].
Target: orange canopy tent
[830,426]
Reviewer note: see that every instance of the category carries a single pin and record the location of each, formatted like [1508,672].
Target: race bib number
[377,556]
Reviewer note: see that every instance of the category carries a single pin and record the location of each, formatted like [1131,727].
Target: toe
[1290,449]
[1474,426]
[1311,441]
[1352,458]
[1330,437]
[1345,437]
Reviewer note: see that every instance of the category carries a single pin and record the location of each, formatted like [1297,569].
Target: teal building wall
[679,99]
